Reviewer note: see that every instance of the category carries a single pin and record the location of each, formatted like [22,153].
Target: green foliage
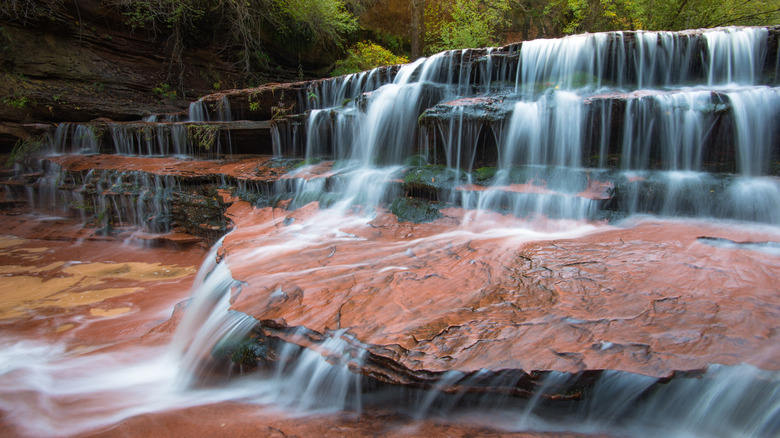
[164,91]
[574,16]
[17,101]
[202,135]
[366,56]
[304,22]
[24,148]
[254,105]
[471,23]
[690,14]
[244,26]
[26,11]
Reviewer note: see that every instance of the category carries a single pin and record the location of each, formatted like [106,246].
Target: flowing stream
[557,141]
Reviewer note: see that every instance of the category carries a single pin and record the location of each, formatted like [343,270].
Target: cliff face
[84,62]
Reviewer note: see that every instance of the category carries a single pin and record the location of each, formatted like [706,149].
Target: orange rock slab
[648,297]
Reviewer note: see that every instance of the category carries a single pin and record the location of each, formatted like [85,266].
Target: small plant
[164,91]
[202,136]
[279,111]
[216,85]
[17,101]
[253,104]
[24,148]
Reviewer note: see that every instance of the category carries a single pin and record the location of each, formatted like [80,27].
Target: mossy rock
[282,163]
[436,176]
[487,110]
[308,162]
[416,161]
[325,199]
[250,352]
[661,193]
[414,210]
[244,351]
[484,174]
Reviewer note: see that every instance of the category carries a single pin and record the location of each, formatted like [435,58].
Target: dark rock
[414,210]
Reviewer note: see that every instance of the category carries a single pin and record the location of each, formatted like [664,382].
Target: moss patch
[414,210]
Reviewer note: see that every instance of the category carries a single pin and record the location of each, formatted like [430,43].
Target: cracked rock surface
[649,297]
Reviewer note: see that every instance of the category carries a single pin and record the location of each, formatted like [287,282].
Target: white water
[47,390]
[63,392]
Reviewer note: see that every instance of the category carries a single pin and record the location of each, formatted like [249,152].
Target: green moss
[484,174]
[308,162]
[414,210]
[416,161]
[433,176]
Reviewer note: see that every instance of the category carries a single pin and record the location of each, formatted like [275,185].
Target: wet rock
[649,299]
[414,210]
[245,352]
[432,182]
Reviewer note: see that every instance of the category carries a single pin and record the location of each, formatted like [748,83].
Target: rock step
[163,194]
[202,139]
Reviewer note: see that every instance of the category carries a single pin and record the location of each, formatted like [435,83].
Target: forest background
[58,57]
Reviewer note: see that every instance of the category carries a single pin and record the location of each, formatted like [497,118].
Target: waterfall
[561,113]
[559,141]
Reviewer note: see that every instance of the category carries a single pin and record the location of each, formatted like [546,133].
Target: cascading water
[197,134]
[570,108]
[550,130]
[547,140]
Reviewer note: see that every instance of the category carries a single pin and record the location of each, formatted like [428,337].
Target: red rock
[648,299]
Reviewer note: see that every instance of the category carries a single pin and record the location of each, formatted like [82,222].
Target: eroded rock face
[649,298]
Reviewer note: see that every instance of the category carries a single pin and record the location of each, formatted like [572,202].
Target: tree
[691,14]
[458,24]
[418,28]
[246,27]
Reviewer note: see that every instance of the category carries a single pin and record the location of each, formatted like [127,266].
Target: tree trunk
[418,28]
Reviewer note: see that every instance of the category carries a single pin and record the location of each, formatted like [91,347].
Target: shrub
[366,56]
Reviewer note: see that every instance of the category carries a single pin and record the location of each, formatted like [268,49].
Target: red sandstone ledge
[651,299]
